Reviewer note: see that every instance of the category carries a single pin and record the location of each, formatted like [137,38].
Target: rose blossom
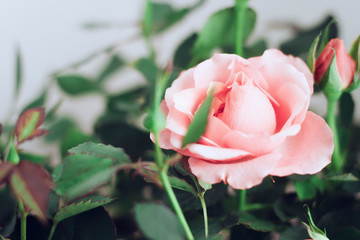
[344,62]
[258,125]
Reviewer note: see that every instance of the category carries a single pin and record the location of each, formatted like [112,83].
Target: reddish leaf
[27,126]
[6,169]
[31,184]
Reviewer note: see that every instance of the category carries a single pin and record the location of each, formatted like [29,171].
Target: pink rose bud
[344,63]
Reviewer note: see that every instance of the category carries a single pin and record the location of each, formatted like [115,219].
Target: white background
[51,36]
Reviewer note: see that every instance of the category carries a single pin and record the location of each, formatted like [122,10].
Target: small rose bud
[344,63]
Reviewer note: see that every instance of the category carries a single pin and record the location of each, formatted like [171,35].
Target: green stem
[240,8]
[337,160]
[174,202]
[23,216]
[242,200]
[147,28]
[168,189]
[203,205]
[52,231]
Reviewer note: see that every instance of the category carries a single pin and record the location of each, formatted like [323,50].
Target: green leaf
[18,72]
[80,206]
[254,223]
[13,155]
[59,129]
[158,222]
[326,36]
[347,177]
[330,83]
[219,30]
[87,167]
[198,125]
[76,84]
[6,169]
[148,69]
[300,44]
[307,189]
[38,159]
[31,184]
[73,137]
[314,232]
[312,53]
[164,15]
[205,186]
[27,126]
[95,224]
[355,52]
[112,66]
[182,185]
[256,49]
[183,54]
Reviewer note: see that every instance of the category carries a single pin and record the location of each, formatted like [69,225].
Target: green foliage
[112,66]
[313,231]
[158,222]
[77,84]
[95,224]
[27,126]
[303,39]
[80,206]
[31,185]
[330,83]
[87,167]
[306,189]
[18,72]
[198,125]
[214,34]
[355,52]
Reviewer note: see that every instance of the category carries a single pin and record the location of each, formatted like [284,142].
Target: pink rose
[259,123]
[344,62]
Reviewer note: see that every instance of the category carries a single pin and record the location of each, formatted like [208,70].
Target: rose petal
[247,109]
[184,81]
[215,130]
[188,101]
[258,144]
[239,175]
[276,56]
[177,122]
[293,105]
[213,70]
[309,151]
[210,153]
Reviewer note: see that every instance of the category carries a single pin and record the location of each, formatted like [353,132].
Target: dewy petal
[239,175]
[307,152]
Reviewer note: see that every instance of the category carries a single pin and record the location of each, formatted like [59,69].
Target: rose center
[249,110]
